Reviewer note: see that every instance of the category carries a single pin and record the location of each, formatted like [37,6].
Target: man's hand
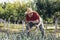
[36,21]
[41,21]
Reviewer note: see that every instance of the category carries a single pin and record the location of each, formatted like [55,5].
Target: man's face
[30,14]
[29,11]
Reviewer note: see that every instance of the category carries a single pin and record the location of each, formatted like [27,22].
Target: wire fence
[51,32]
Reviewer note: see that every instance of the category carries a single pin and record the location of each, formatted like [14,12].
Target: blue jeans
[30,25]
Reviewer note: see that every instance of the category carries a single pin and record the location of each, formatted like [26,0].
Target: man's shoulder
[35,12]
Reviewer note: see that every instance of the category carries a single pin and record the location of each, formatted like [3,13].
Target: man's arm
[37,17]
[40,22]
[36,21]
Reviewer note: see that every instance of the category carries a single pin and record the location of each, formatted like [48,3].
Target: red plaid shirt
[34,17]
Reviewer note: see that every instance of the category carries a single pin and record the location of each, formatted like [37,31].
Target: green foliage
[13,11]
[33,36]
[48,8]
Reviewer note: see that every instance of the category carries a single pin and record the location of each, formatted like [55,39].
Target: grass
[18,27]
[35,34]
[23,36]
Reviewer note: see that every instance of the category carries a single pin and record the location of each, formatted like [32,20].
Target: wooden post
[8,23]
[46,25]
[5,25]
[23,25]
[18,21]
[56,24]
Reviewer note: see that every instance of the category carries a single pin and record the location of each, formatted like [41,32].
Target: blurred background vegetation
[48,9]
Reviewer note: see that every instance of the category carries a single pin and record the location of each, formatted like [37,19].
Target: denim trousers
[30,25]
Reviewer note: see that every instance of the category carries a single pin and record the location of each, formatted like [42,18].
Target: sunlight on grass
[35,33]
[19,27]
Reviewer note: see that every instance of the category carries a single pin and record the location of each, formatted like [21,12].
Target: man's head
[29,12]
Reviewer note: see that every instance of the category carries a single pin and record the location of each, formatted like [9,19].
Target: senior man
[33,19]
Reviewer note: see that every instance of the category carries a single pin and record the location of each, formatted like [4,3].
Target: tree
[47,9]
